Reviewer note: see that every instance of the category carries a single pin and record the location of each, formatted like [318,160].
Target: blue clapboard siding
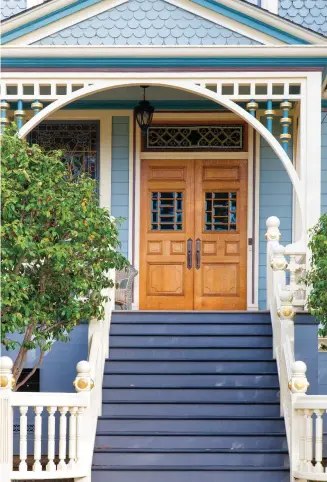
[276,199]
[324,162]
[120,176]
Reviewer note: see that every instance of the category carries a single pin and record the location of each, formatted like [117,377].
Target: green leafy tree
[57,248]
[317,275]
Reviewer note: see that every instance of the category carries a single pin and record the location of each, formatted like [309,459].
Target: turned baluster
[23,439]
[79,441]
[72,437]
[319,441]
[62,438]
[302,441]
[51,466]
[308,440]
[37,467]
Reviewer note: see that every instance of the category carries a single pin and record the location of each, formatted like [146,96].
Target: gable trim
[251,22]
[248,17]
[55,16]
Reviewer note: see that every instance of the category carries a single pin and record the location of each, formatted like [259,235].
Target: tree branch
[31,373]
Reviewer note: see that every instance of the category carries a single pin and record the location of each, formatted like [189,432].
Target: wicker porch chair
[124,287]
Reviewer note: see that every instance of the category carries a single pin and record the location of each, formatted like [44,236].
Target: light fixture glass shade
[144,113]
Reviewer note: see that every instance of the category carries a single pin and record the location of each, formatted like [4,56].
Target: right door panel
[220,237]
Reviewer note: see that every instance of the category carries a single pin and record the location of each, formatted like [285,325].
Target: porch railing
[303,413]
[64,423]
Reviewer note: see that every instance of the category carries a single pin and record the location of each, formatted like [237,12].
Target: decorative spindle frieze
[270,114]
[285,121]
[4,119]
[36,106]
[19,114]
[252,107]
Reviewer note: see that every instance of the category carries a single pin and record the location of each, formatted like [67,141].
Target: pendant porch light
[144,113]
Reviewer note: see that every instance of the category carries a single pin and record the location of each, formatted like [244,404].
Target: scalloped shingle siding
[11,7]
[308,13]
[146,22]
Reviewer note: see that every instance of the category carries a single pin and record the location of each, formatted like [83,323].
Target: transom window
[220,211]
[166,211]
[195,138]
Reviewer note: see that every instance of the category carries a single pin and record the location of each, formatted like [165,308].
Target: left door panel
[167,230]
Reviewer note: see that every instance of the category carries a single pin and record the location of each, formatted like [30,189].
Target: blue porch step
[190,396]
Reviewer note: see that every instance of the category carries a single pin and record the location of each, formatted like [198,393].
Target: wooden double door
[193,235]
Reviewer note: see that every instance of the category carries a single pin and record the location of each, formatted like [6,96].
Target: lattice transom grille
[166,211]
[195,137]
[220,211]
[78,142]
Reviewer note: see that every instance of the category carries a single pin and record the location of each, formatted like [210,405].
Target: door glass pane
[166,211]
[220,211]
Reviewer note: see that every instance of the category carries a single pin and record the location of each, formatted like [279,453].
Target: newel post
[79,446]
[302,428]
[272,237]
[6,417]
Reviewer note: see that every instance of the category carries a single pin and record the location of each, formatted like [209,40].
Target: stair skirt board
[190,396]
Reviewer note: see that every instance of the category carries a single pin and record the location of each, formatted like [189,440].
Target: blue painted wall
[324,162]
[276,199]
[120,176]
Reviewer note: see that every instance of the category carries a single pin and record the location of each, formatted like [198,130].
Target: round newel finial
[6,379]
[83,381]
[83,367]
[273,222]
[299,368]
[286,296]
[299,382]
[6,364]
[273,233]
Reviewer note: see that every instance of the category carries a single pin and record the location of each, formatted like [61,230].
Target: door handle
[189,253]
[198,253]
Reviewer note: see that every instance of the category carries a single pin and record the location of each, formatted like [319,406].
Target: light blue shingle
[308,13]
[146,22]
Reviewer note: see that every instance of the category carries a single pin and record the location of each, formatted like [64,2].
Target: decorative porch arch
[193,88]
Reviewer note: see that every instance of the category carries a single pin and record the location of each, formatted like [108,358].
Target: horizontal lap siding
[276,199]
[324,162]
[120,176]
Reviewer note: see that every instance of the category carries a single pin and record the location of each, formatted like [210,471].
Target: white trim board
[11,50]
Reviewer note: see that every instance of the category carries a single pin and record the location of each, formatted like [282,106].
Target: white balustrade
[76,415]
[303,413]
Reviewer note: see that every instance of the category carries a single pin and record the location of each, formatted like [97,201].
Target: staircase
[189,397]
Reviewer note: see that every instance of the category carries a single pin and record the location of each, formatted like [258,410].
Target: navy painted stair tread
[194,394]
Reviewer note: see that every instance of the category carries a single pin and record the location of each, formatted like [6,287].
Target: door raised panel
[193,234]
[165,279]
[167,222]
[220,227]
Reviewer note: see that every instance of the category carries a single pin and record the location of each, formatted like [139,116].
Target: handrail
[286,295]
[69,417]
